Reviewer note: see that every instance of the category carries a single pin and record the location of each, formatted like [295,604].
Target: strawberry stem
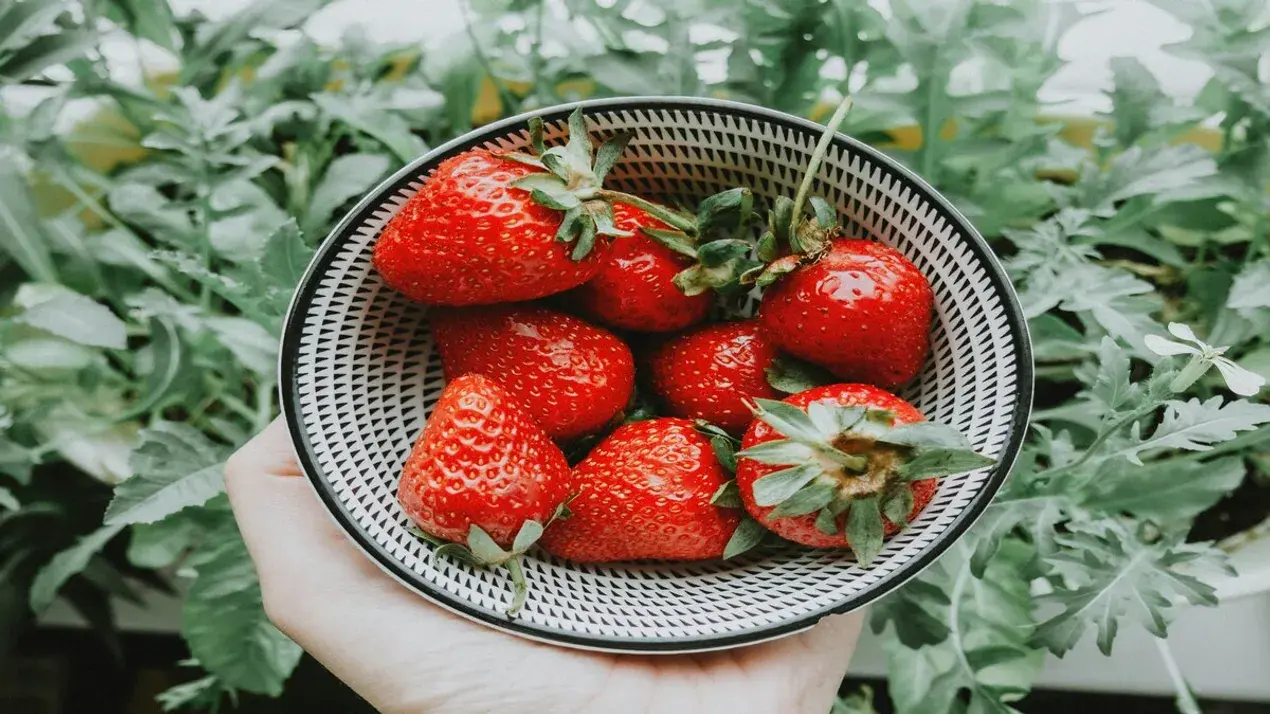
[817,158]
[670,217]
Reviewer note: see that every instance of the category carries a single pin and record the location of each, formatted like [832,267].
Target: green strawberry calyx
[852,466]
[572,181]
[483,552]
[749,532]
[809,237]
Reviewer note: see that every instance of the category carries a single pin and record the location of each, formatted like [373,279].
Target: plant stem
[674,219]
[1099,441]
[1185,700]
[818,158]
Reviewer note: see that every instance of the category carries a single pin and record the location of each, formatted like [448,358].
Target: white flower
[1240,380]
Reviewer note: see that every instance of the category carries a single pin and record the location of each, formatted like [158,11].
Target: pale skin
[407,656]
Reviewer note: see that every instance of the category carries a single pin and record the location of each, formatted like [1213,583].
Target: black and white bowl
[359,376]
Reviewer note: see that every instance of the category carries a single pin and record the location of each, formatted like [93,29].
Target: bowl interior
[360,376]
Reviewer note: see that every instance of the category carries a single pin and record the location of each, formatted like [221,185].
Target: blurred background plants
[151,233]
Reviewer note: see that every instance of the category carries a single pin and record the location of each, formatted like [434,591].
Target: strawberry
[483,473]
[572,377]
[659,279]
[861,310]
[489,228]
[845,465]
[711,373]
[635,290]
[645,493]
[855,307]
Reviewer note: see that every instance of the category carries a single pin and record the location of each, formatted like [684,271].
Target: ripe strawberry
[645,493]
[861,310]
[471,236]
[712,373]
[635,290]
[659,279]
[483,473]
[572,377]
[855,307]
[845,465]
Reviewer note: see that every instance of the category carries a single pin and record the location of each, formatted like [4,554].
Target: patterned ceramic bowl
[359,376]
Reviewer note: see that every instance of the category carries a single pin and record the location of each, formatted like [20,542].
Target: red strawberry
[845,465]
[635,290]
[855,307]
[644,493]
[481,461]
[573,377]
[711,373]
[862,311]
[471,237]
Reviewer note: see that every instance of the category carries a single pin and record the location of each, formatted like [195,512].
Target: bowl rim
[372,200]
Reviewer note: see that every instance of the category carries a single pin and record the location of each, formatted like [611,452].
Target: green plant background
[147,256]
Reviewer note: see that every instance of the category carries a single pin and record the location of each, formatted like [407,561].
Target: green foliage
[142,302]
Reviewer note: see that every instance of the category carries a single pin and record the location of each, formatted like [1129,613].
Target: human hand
[405,655]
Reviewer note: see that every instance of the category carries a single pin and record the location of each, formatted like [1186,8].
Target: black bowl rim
[307,288]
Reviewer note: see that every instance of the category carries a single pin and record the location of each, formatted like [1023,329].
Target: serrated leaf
[1135,94]
[960,638]
[174,467]
[1170,173]
[775,487]
[224,622]
[1196,426]
[1112,385]
[67,564]
[79,319]
[1105,572]
[747,535]
[1167,492]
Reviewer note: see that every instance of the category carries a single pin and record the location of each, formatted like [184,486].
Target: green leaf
[150,19]
[49,354]
[808,499]
[483,546]
[1105,572]
[725,452]
[781,452]
[609,152]
[788,420]
[21,233]
[627,73]
[827,522]
[45,52]
[1168,491]
[1171,173]
[1122,304]
[1196,426]
[674,240]
[529,533]
[286,256]
[897,504]
[143,206]
[224,621]
[858,702]
[161,544]
[1251,289]
[383,126]
[728,496]
[925,434]
[347,177]
[67,564]
[1111,385]
[792,376]
[79,319]
[1135,95]
[250,343]
[174,467]
[933,462]
[8,501]
[167,369]
[775,487]
[961,638]
[864,529]
[747,535]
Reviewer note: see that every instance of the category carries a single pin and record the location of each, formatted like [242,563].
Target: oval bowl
[359,376]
